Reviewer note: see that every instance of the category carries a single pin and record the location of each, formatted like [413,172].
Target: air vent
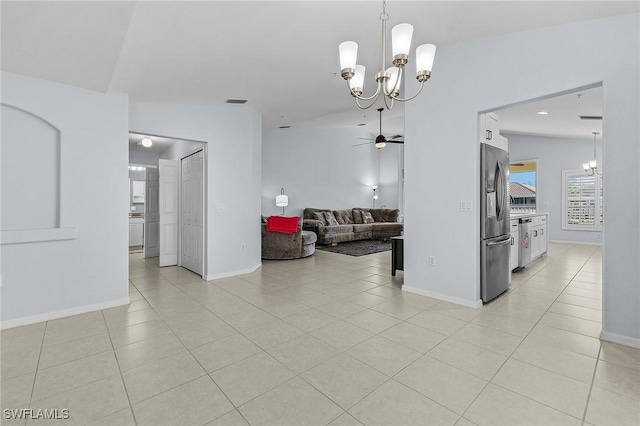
[236,101]
[590,117]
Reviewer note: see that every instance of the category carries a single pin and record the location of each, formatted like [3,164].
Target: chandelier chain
[384,16]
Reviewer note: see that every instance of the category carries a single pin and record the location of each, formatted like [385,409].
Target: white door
[151,214]
[168,212]
[192,209]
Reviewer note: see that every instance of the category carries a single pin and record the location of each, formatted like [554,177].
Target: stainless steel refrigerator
[495,242]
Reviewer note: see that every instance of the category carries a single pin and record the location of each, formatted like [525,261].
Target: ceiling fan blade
[367,139]
[359,144]
[391,141]
[395,136]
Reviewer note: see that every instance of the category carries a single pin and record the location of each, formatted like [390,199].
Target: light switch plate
[465,206]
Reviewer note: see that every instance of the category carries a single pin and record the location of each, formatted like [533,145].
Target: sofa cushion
[364,227]
[343,217]
[357,216]
[367,218]
[330,218]
[385,215]
[319,216]
[387,227]
[336,229]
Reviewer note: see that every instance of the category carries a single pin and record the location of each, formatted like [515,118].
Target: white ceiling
[281,56]
[159,145]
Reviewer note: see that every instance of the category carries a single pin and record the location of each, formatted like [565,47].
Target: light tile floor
[330,339]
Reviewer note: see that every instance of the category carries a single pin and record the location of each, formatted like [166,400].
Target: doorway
[174,203]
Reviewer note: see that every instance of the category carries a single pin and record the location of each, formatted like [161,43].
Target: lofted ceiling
[280,56]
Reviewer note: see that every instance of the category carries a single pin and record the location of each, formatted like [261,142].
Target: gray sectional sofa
[349,224]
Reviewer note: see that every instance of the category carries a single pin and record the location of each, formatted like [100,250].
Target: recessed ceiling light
[543,113]
[146,142]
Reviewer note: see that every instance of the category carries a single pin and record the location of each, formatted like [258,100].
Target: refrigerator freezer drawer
[494,267]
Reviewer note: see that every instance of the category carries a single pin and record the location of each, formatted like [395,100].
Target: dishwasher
[524,254]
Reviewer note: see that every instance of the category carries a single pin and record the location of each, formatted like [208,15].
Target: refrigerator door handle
[497,243]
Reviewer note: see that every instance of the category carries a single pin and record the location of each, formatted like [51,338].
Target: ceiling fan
[381,141]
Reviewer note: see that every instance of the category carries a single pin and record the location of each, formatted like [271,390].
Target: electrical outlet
[242,246]
[432,261]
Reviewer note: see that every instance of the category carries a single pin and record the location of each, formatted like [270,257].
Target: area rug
[358,248]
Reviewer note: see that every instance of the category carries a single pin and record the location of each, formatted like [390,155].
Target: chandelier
[388,80]
[591,168]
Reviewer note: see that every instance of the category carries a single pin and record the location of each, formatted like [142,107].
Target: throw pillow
[343,217]
[319,216]
[330,218]
[367,218]
[357,216]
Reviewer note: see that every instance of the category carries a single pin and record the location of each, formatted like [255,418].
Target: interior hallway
[331,339]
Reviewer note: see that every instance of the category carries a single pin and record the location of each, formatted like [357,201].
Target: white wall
[140,157]
[442,152]
[45,280]
[390,175]
[318,168]
[180,149]
[233,138]
[555,155]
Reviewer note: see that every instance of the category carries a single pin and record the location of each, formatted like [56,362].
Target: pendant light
[389,80]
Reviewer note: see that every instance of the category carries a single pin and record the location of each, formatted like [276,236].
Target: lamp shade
[348,54]
[585,166]
[425,54]
[592,164]
[282,200]
[394,81]
[357,81]
[401,39]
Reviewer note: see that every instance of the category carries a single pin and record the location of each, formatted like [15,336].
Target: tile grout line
[126,391]
[35,375]
[593,379]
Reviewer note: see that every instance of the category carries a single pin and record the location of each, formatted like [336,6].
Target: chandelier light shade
[282,200]
[591,168]
[389,80]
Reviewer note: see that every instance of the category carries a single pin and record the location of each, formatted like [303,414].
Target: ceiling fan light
[348,55]
[401,40]
[380,145]
[146,142]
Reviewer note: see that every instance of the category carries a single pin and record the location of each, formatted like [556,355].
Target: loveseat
[351,224]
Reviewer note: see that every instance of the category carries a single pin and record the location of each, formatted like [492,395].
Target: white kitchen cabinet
[539,236]
[136,232]
[138,191]
[490,131]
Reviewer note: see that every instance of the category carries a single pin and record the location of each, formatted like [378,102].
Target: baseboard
[620,339]
[583,243]
[232,273]
[62,313]
[434,295]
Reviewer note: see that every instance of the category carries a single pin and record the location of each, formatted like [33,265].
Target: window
[522,186]
[582,201]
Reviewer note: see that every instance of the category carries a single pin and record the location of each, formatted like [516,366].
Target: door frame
[205,226]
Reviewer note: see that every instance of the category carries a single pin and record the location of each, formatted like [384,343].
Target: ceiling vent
[236,101]
[590,117]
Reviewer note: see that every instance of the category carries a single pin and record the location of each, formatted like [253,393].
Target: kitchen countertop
[521,215]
